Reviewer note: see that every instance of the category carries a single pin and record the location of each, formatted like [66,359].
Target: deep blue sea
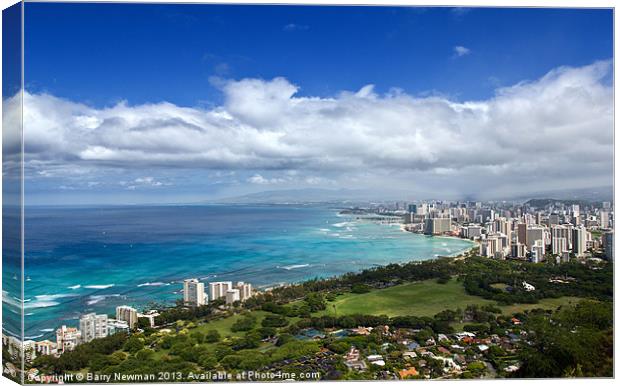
[82,260]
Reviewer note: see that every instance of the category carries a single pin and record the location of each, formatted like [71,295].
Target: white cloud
[554,130]
[295,27]
[461,51]
[142,182]
[260,180]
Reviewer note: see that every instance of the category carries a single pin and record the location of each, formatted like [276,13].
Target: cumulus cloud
[461,51]
[557,130]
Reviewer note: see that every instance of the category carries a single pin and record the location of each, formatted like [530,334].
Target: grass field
[223,325]
[425,298]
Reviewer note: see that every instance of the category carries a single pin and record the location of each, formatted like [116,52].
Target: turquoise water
[82,260]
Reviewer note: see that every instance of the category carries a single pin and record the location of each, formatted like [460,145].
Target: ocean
[81,260]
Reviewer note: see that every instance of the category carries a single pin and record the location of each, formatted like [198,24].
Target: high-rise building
[490,245]
[218,289]
[518,250]
[413,208]
[245,290]
[560,236]
[471,231]
[537,251]
[127,314]
[194,293]
[580,239]
[558,245]
[67,338]
[604,219]
[608,245]
[93,326]
[437,226]
[535,234]
[554,219]
[232,295]
[522,233]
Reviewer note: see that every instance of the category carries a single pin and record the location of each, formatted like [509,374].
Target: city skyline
[466,115]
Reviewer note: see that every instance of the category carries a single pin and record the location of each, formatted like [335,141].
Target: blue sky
[102,53]
[130,103]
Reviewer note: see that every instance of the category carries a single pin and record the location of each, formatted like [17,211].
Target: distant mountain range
[352,196]
[296,196]
[573,196]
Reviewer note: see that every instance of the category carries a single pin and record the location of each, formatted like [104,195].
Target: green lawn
[425,298]
[223,325]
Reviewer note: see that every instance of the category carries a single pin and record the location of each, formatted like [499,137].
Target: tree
[284,338]
[145,354]
[360,288]
[274,321]
[315,301]
[198,337]
[245,323]
[213,336]
[134,344]
[208,361]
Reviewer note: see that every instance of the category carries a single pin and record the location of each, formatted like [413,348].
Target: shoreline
[169,303]
[473,243]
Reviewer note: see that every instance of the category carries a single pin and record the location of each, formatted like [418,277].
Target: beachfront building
[471,231]
[45,347]
[245,290]
[437,226]
[127,314]
[232,295]
[194,293]
[67,338]
[218,289]
[115,326]
[93,326]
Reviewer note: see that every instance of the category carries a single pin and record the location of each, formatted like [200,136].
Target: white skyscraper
[194,293]
[93,326]
[538,251]
[232,295]
[127,314]
[560,236]
[245,290]
[218,289]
